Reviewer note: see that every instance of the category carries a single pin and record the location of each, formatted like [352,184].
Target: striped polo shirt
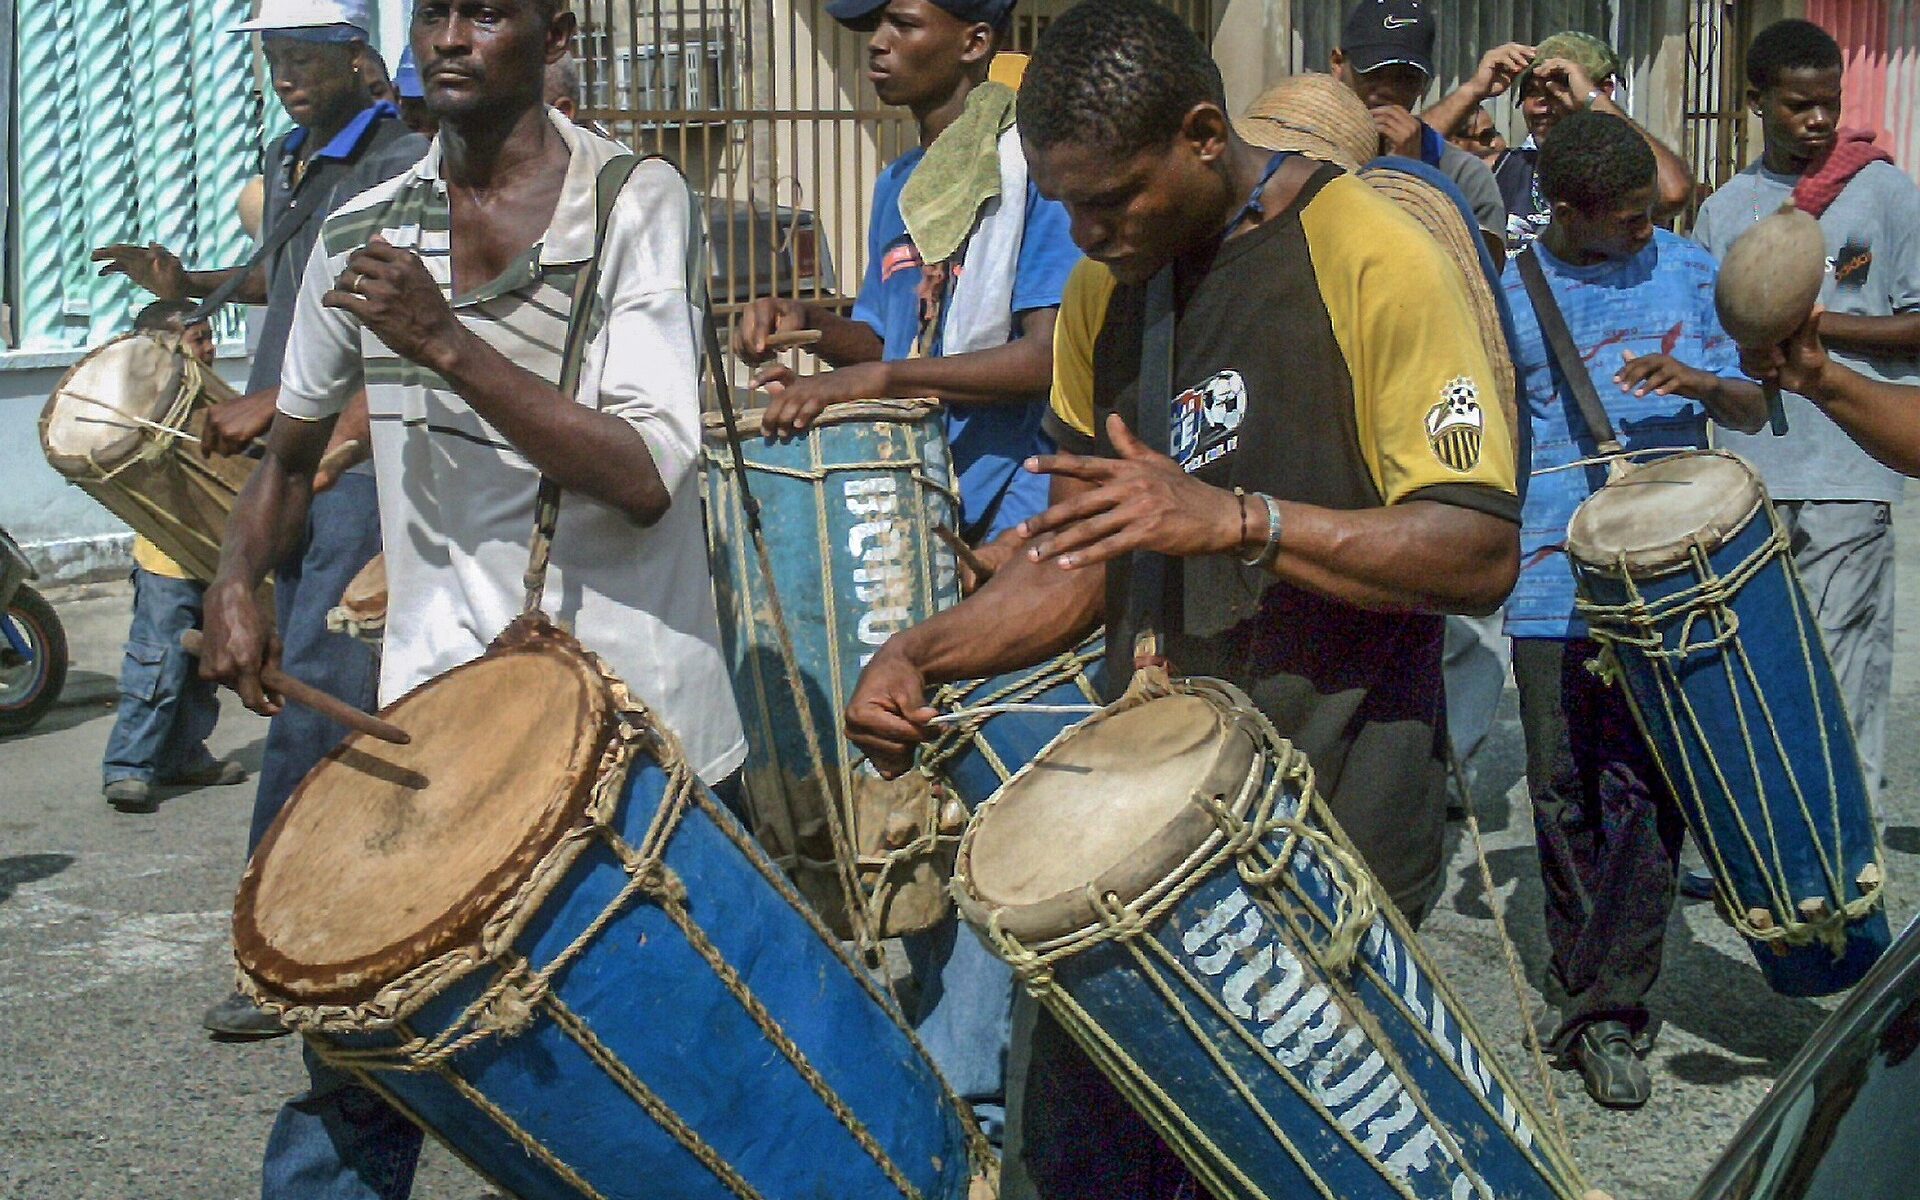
[457,499]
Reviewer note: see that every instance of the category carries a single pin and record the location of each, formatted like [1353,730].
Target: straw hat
[1315,115]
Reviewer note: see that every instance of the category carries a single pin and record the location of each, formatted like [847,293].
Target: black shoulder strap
[1553,325]
[1142,629]
[295,219]
[546,508]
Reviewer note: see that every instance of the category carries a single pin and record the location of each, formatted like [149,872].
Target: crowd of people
[1342,477]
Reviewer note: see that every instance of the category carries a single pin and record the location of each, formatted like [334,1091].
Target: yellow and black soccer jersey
[1327,356]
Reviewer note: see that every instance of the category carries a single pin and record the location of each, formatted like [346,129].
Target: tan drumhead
[1111,805]
[135,375]
[365,597]
[833,414]
[1653,514]
[388,856]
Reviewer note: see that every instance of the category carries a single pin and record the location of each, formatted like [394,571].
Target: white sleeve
[323,366]
[648,350]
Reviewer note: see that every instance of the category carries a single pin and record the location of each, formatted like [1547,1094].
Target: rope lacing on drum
[519,994]
[1637,626]
[1282,901]
[968,700]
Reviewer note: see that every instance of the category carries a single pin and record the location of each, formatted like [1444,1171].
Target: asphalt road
[113,939]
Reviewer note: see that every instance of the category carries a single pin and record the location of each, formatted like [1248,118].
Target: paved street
[113,938]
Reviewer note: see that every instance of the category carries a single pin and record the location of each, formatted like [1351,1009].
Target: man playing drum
[1638,304]
[958,303]
[1832,495]
[317,53]
[445,293]
[1337,481]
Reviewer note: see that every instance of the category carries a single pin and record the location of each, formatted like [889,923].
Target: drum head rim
[1162,860]
[121,448]
[284,978]
[846,412]
[1672,554]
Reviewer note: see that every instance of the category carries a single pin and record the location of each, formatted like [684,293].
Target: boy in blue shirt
[966,264]
[1638,303]
[959,298]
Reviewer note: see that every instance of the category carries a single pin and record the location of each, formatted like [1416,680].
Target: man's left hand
[1139,501]
[1661,374]
[389,290]
[797,400]
[1400,128]
[1566,81]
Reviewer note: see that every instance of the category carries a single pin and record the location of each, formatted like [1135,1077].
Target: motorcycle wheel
[29,689]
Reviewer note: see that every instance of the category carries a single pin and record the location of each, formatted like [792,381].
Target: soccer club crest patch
[1456,426]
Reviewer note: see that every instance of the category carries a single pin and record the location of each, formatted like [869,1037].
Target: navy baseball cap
[1379,33]
[861,12]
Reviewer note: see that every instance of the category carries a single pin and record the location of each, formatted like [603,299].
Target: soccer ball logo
[1456,427]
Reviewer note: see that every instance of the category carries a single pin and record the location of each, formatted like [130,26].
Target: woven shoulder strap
[546,507]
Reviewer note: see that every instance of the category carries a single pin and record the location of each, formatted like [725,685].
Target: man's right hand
[237,644]
[232,426]
[761,319]
[888,716]
[1499,67]
[153,267]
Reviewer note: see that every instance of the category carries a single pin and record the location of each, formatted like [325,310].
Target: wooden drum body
[1167,883]
[113,427]
[537,934]
[849,510]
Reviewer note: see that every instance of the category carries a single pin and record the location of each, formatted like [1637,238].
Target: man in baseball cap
[1386,56]
[1567,73]
[864,15]
[312,20]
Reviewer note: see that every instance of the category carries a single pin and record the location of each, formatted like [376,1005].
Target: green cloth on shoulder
[959,174]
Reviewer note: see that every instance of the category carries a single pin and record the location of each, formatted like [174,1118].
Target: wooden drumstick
[341,457]
[307,696]
[981,571]
[792,339]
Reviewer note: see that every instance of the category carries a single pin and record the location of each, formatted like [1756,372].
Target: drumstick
[338,458]
[307,696]
[793,339]
[981,571]
[127,416]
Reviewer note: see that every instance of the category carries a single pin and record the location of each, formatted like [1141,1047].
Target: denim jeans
[962,1009]
[166,710]
[337,1140]
[343,533]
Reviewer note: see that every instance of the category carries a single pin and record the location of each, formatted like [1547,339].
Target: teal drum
[1166,881]
[844,558]
[1685,578]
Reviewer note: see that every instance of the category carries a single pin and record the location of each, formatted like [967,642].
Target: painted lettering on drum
[879,542]
[1310,1027]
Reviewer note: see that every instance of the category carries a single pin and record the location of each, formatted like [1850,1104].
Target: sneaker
[131,796]
[219,773]
[238,1019]
[1696,885]
[1614,1074]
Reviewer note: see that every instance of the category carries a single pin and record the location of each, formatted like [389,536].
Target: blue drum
[1166,881]
[1684,576]
[849,559]
[990,728]
[535,933]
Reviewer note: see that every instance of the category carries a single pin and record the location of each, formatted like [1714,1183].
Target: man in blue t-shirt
[966,264]
[1639,305]
[970,322]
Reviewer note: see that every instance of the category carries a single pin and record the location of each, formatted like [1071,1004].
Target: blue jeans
[963,1012]
[343,533]
[166,710]
[337,1140]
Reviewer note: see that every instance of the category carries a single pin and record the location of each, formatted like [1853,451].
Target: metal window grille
[1716,119]
[766,106]
[135,121]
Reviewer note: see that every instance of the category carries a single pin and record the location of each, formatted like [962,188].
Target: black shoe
[1615,1076]
[131,796]
[1696,885]
[238,1019]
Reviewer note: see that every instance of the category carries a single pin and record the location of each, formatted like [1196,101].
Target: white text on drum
[883,582]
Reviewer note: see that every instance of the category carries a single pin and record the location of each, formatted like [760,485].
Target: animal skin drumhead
[136,376]
[1113,805]
[387,856]
[1654,514]
[366,594]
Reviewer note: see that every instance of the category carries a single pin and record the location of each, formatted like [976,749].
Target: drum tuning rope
[1269,868]
[960,721]
[520,994]
[1636,627]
